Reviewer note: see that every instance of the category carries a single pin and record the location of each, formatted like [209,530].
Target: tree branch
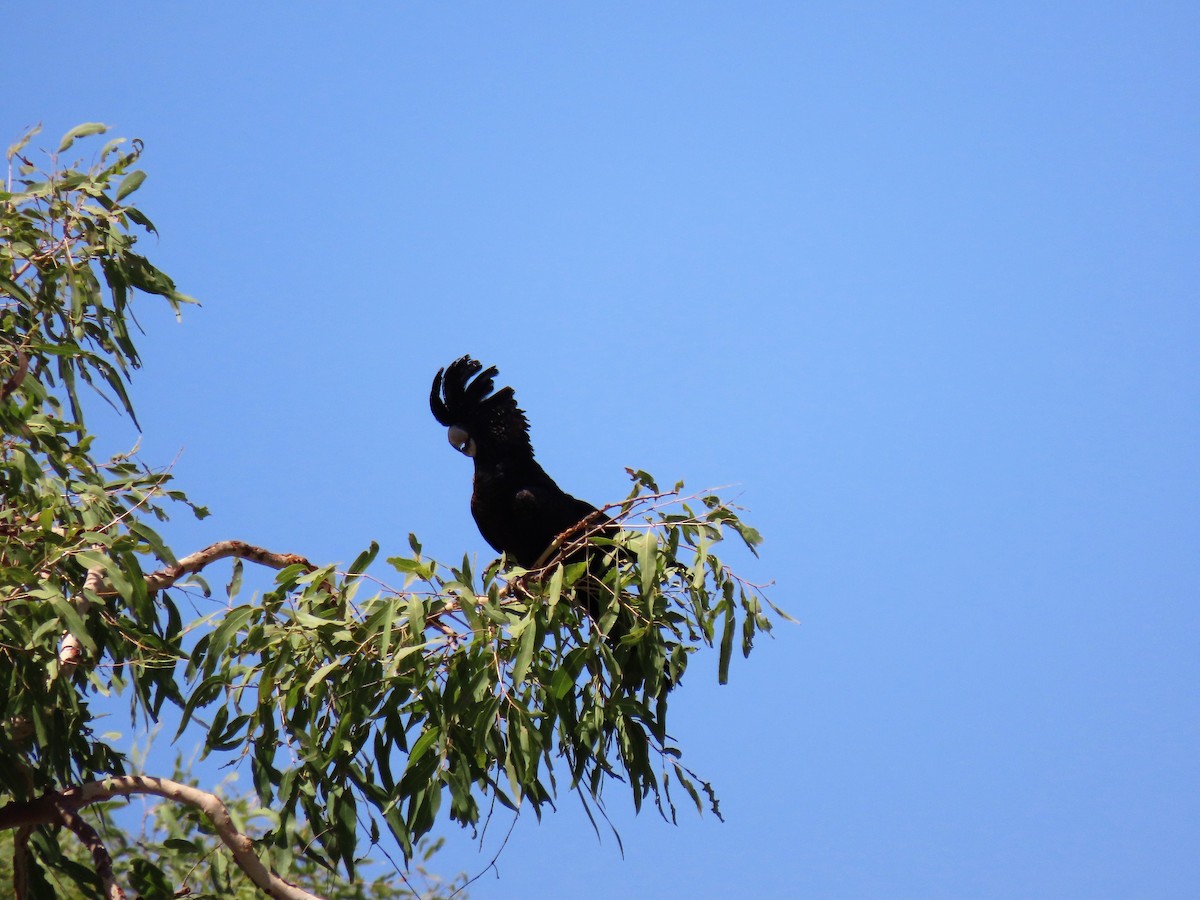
[20,861]
[100,855]
[60,807]
[189,565]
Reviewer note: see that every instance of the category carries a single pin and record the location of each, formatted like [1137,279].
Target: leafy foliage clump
[75,529]
[358,707]
[466,688]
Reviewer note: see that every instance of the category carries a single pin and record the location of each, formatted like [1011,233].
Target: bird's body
[519,509]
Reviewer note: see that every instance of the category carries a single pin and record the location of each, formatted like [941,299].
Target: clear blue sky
[920,279]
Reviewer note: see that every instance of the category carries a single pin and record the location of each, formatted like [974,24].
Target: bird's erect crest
[462,395]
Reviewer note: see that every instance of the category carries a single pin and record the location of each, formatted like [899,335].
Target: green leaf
[235,580]
[72,621]
[160,550]
[15,290]
[223,633]
[384,628]
[16,148]
[130,183]
[322,673]
[110,147]
[525,650]
[87,128]
[416,615]
[403,653]
[750,535]
[726,646]
[363,560]
[554,590]
[779,612]
[421,747]
[184,846]
[561,683]
[466,604]
[203,694]
[647,554]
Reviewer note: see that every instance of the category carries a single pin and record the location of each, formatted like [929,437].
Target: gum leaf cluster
[359,703]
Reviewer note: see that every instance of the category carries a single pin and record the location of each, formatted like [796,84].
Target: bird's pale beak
[460,440]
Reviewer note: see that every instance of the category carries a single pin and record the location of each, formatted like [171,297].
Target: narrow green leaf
[160,550]
[402,654]
[386,619]
[689,787]
[363,560]
[750,535]
[235,581]
[726,646]
[779,612]
[416,614]
[421,747]
[204,694]
[321,674]
[466,603]
[223,633]
[554,591]
[130,183]
[79,131]
[16,148]
[71,620]
[184,846]
[524,653]
[11,287]
[110,147]
[647,554]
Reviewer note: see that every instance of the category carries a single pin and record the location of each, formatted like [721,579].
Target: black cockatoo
[517,506]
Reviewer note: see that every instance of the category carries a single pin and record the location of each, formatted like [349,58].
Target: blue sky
[919,279]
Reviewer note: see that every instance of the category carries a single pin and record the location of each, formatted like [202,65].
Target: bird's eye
[460,440]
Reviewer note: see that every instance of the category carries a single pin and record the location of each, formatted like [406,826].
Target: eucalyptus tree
[362,700]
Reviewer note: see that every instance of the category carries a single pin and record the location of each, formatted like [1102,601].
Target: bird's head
[475,418]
